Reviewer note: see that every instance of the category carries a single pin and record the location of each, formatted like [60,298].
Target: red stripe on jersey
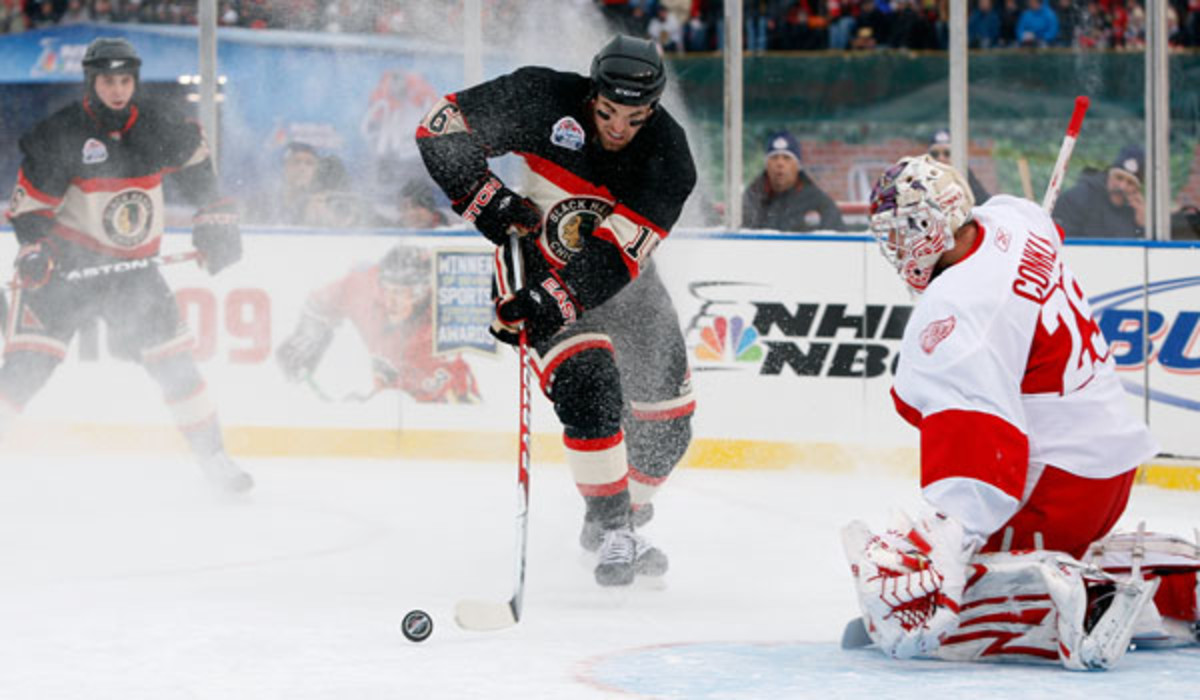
[546,372]
[36,347]
[622,210]
[593,444]
[643,478]
[564,178]
[1062,235]
[116,184]
[974,445]
[146,250]
[33,191]
[609,489]
[911,415]
[680,411]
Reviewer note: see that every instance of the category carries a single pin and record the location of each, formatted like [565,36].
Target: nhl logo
[94,152]
[567,133]
[128,218]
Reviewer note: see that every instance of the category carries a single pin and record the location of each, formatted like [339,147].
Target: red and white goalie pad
[1036,606]
[909,580]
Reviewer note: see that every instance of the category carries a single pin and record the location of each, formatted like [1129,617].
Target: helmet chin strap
[110,120]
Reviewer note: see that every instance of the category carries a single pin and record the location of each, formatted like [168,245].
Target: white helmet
[916,206]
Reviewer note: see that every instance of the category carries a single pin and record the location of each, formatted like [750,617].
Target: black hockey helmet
[629,71]
[406,265]
[110,54]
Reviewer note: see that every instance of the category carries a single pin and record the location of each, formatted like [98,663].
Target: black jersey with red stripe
[604,212]
[102,190]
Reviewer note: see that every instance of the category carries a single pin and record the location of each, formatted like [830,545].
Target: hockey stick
[120,266]
[346,397]
[485,615]
[1064,153]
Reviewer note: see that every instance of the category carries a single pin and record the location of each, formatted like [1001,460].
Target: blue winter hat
[1132,159]
[941,137]
[783,142]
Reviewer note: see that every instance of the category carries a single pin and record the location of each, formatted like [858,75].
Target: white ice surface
[125,578]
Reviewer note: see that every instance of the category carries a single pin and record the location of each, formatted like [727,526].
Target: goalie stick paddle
[486,615]
[1064,153]
[855,636]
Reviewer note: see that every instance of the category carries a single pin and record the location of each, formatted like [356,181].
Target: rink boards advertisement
[793,342]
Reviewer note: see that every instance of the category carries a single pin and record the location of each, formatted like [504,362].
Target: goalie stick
[486,615]
[1064,153]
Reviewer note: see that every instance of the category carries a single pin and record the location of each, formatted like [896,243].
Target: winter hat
[782,142]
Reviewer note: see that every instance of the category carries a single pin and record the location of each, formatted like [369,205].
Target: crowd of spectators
[684,25]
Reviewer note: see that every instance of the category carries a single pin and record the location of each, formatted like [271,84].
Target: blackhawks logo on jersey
[128,217]
[569,221]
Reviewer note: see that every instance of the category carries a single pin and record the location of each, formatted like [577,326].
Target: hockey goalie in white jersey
[1028,451]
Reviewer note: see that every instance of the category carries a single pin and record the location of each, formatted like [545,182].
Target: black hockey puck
[417,625]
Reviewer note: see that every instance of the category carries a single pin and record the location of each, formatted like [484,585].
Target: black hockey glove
[544,308]
[35,264]
[216,235]
[300,354]
[495,209]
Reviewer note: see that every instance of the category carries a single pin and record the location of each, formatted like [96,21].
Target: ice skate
[223,473]
[592,533]
[625,554]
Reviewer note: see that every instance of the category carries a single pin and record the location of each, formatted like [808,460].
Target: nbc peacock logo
[728,340]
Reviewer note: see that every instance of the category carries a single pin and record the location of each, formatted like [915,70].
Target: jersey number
[1066,308]
[641,247]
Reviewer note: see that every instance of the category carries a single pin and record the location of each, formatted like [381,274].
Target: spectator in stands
[784,197]
[1106,203]
[939,149]
[288,204]
[909,28]
[43,15]
[666,29]
[1037,25]
[872,28]
[76,13]
[417,206]
[1009,14]
[983,26]
[841,25]
[1070,16]
[12,17]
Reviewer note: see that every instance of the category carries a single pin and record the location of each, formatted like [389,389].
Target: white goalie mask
[916,206]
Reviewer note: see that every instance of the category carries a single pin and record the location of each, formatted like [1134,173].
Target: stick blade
[855,635]
[484,615]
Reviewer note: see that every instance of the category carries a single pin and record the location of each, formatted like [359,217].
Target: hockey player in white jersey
[1028,451]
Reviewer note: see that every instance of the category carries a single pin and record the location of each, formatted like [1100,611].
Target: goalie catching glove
[496,210]
[542,308]
[216,235]
[910,580]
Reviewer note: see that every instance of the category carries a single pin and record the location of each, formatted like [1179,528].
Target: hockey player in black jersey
[90,192]
[609,171]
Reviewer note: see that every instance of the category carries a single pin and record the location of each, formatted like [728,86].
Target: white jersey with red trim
[1004,370]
